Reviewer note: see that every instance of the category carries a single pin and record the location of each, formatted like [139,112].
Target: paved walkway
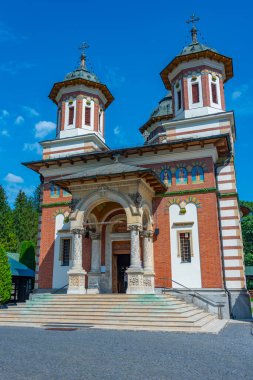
[27,353]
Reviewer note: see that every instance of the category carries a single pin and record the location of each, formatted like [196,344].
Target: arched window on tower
[197,174]
[181,176]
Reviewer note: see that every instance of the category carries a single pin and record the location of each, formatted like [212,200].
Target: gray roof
[195,47]
[164,106]
[114,168]
[17,268]
[83,74]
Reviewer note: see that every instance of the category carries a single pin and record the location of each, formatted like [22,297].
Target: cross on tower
[83,47]
[194,31]
[193,19]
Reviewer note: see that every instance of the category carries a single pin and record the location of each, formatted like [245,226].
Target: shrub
[27,254]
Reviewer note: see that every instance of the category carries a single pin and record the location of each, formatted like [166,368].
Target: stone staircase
[110,311]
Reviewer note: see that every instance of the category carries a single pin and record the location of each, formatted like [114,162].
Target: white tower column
[135,272]
[95,273]
[77,274]
[148,260]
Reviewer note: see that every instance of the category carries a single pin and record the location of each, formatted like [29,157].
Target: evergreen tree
[5,277]
[247,234]
[25,218]
[8,238]
[27,254]
[36,198]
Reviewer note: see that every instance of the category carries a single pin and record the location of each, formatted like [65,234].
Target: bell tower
[81,101]
[196,77]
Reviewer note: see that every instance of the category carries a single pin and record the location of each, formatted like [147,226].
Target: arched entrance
[114,223]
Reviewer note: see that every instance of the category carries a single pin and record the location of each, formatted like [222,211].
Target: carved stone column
[135,272]
[77,273]
[148,260]
[94,274]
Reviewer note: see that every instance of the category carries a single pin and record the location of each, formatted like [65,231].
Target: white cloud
[19,120]
[116,130]
[236,94]
[13,67]
[5,133]
[114,77]
[30,147]
[30,111]
[12,178]
[5,113]
[43,128]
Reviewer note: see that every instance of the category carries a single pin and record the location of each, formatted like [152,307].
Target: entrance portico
[105,214]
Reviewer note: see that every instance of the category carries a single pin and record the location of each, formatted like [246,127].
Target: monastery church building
[163,214]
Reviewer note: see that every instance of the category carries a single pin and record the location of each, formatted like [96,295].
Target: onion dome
[162,112]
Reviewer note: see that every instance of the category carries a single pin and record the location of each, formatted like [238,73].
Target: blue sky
[130,43]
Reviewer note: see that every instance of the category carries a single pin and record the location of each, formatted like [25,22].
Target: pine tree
[25,218]
[27,254]
[5,277]
[8,238]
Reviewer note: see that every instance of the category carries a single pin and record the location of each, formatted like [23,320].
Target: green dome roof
[83,74]
[164,106]
[195,47]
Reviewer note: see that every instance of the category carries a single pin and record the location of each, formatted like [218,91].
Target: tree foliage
[5,277]
[247,234]
[25,218]
[8,238]
[27,254]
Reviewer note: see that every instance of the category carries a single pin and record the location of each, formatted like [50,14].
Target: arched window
[197,174]
[165,177]
[54,191]
[181,176]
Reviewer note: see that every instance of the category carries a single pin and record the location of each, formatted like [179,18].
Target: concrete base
[148,282]
[76,281]
[93,283]
[135,281]
[240,301]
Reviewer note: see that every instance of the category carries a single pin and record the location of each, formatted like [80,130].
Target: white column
[77,252]
[135,259]
[148,260]
[94,274]
[77,273]
[135,272]
[95,252]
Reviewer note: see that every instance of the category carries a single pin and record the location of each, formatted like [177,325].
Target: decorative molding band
[186,192]
[227,195]
[48,205]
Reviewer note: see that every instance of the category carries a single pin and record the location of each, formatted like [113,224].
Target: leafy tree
[25,218]
[5,277]
[36,198]
[8,238]
[247,234]
[27,254]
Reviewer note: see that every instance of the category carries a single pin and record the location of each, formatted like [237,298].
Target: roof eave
[102,87]
[227,61]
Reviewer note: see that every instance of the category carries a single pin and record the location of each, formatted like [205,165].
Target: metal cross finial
[83,47]
[194,30]
[193,19]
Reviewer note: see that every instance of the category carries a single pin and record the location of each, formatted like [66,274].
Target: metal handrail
[57,290]
[218,304]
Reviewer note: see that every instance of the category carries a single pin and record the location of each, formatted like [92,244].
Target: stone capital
[95,235]
[134,227]
[147,234]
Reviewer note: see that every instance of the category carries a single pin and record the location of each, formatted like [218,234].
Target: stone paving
[29,353]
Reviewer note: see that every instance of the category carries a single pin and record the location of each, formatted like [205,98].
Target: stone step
[50,311]
[73,315]
[136,312]
[112,321]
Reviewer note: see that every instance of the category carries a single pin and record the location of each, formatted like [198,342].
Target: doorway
[120,262]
